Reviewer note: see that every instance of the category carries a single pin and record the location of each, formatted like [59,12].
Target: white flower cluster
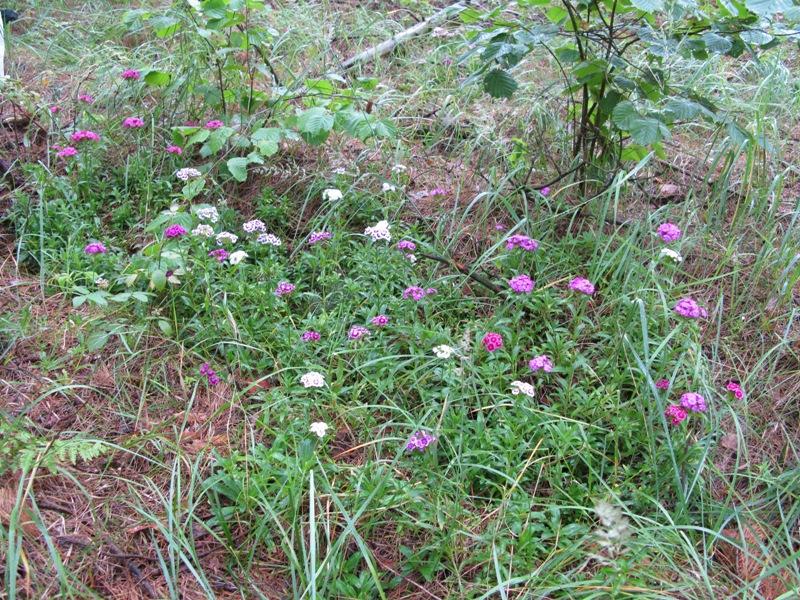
[187,173]
[227,237]
[388,187]
[313,379]
[209,213]
[673,254]
[319,429]
[236,257]
[203,230]
[520,387]
[379,232]
[443,351]
[254,225]
[332,194]
[269,239]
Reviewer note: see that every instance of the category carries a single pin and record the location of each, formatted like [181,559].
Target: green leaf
[716,43]
[198,137]
[267,140]
[157,78]
[165,26]
[158,280]
[767,8]
[649,5]
[499,84]
[624,114]
[193,187]
[98,298]
[165,326]
[315,124]
[648,130]
[96,340]
[238,168]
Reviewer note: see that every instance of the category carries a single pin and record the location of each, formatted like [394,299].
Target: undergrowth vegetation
[278,326]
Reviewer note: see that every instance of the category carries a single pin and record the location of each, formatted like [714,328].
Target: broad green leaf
[649,5]
[158,280]
[267,140]
[96,340]
[767,8]
[624,114]
[238,168]
[198,137]
[716,43]
[315,124]
[165,26]
[499,84]
[157,78]
[647,130]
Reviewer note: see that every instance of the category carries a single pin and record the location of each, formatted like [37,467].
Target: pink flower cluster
[84,135]
[220,254]
[417,293]
[582,285]
[492,341]
[174,231]
[735,389]
[318,237]
[95,248]
[210,374]
[542,362]
[284,289]
[669,232]
[662,384]
[689,402]
[131,74]
[521,241]
[87,98]
[521,284]
[173,149]
[214,124]
[689,309]
[310,336]
[357,332]
[380,321]
[133,123]
[67,151]
[419,441]
[406,246]
[675,414]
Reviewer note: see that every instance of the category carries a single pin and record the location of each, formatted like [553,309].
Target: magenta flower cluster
[380,321]
[492,341]
[675,414]
[689,402]
[310,336]
[67,151]
[83,135]
[406,246]
[419,441]
[357,332]
[669,232]
[220,254]
[521,241]
[541,363]
[214,124]
[284,289]
[521,284]
[209,373]
[689,309]
[131,74]
[662,384]
[582,285]
[87,98]
[95,248]
[417,293]
[735,389]
[174,231]
[319,237]
[173,149]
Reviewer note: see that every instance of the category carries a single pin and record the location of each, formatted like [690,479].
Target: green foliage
[24,450]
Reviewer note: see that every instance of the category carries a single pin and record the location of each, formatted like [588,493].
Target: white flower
[389,187]
[339,171]
[254,225]
[319,429]
[269,239]
[236,257]
[187,173]
[520,387]
[203,230]
[332,194]
[101,283]
[399,169]
[313,379]
[443,351]
[227,236]
[379,232]
[673,254]
[173,210]
[411,258]
[209,213]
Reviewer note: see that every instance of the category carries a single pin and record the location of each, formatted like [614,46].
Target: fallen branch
[388,45]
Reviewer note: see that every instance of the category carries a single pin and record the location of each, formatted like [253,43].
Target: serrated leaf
[647,130]
[315,124]
[267,140]
[767,8]
[624,114]
[716,43]
[238,168]
[649,6]
[499,84]
[96,340]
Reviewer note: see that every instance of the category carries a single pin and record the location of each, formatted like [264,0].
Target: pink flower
[357,332]
[173,149]
[210,374]
[174,231]
[310,336]
[406,245]
[689,309]
[83,134]
[669,232]
[417,293]
[318,237]
[95,248]
[380,321]
[419,441]
[88,98]
[67,151]
[736,389]
[693,402]
[133,123]
[521,284]
[662,384]
[500,227]
[214,124]
[439,191]
[54,110]
[542,362]
[220,254]
[284,288]
[545,190]
[675,414]
[131,74]
[584,286]
[492,341]
[521,241]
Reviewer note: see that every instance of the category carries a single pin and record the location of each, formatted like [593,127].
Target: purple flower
[133,123]
[357,332]
[662,384]
[84,134]
[319,236]
[545,190]
[310,336]
[173,149]
[131,74]
[521,284]
[521,241]
[220,254]
[693,402]
[406,245]
[419,441]
[675,414]
[414,292]
[95,248]
[500,227]
[492,341]
[380,321]
[66,152]
[584,286]
[284,288]
[735,389]
[439,191]
[689,309]
[542,362]
[669,232]
[214,124]
[88,98]
[174,231]
[210,374]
